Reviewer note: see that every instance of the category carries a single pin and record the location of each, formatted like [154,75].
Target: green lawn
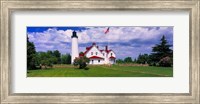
[104,71]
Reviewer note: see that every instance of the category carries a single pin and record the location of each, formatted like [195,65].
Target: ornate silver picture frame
[8,6]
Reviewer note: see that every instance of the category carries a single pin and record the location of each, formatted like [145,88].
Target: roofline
[96,58]
[91,48]
[98,50]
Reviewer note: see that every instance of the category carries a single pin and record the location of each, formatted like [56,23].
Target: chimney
[106,48]
[93,43]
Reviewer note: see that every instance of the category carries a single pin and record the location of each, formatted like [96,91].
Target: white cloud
[117,34]
[95,34]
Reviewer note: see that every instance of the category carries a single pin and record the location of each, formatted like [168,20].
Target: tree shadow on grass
[87,68]
[82,69]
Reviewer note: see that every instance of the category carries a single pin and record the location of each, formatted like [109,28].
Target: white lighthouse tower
[74,46]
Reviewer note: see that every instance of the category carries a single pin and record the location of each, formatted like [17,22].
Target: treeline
[161,55]
[37,60]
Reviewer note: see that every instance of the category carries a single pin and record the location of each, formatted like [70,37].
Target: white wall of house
[105,57]
[112,61]
[111,54]
[96,61]
[94,52]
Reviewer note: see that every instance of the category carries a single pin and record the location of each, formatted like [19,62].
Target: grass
[103,71]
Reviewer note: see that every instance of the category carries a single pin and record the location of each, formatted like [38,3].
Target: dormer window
[111,54]
[96,53]
[103,54]
[91,53]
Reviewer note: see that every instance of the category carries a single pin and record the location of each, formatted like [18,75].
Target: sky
[125,41]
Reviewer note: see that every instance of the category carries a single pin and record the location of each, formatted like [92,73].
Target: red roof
[87,49]
[95,57]
[107,51]
[112,57]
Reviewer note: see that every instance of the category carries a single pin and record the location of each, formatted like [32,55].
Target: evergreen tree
[135,60]
[31,53]
[143,59]
[160,51]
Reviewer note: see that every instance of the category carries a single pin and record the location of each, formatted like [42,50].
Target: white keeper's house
[96,55]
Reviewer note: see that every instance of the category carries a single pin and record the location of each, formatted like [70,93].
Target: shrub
[165,62]
[81,62]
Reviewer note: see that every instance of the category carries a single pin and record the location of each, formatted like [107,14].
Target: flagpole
[107,31]
[108,47]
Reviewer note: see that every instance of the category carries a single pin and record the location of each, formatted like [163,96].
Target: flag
[107,30]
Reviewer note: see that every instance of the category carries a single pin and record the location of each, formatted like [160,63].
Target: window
[111,54]
[96,53]
[99,61]
[91,53]
[103,54]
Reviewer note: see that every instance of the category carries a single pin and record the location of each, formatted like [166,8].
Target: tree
[143,59]
[81,62]
[119,61]
[128,60]
[81,53]
[66,59]
[57,54]
[135,60]
[160,51]
[50,52]
[31,54]
[46,59]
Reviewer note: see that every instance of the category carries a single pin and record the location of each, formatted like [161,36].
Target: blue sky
[124,41]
